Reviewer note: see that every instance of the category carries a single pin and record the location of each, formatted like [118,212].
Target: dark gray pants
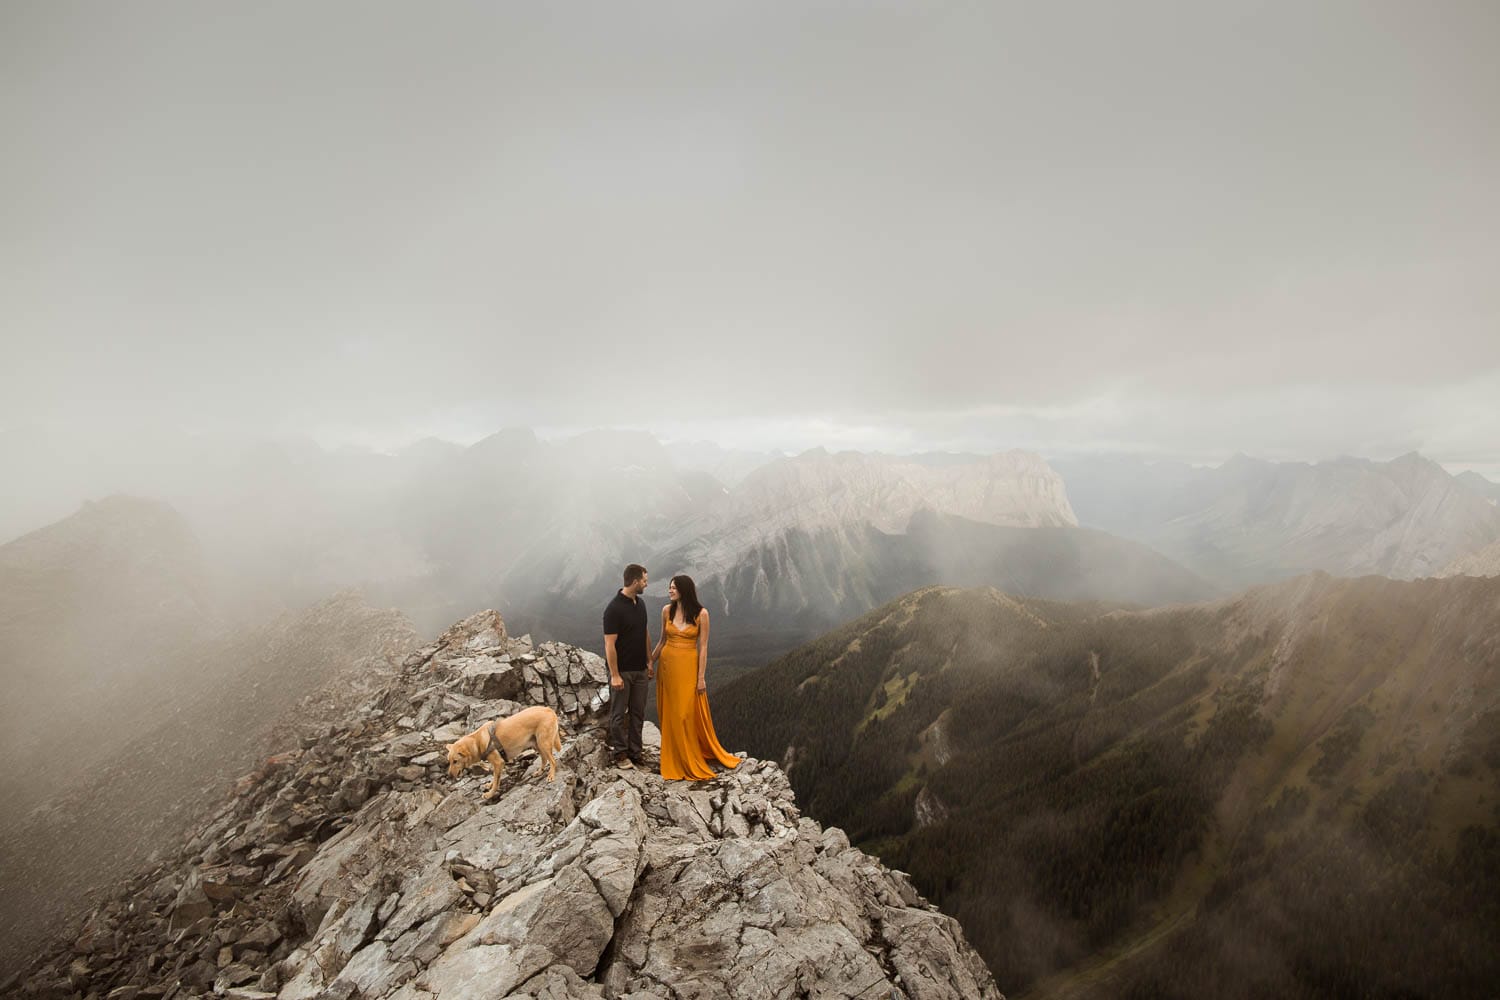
[627,714]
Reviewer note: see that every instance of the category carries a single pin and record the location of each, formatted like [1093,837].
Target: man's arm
[656,651]
[615,680]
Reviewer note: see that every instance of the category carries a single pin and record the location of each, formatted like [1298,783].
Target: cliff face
[352,866]
[817,492]
[819,538]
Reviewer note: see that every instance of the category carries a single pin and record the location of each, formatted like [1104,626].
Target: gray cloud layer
[1180,227]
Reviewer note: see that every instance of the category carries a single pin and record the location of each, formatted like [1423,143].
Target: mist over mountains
[533,525]
[782,547]
[103,612]
[101,783]
[1477,483]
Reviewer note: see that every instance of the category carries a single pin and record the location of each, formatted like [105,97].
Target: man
[626,642]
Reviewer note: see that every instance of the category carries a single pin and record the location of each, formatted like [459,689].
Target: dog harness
[495,745]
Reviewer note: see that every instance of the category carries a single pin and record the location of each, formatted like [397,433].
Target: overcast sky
[1187,229]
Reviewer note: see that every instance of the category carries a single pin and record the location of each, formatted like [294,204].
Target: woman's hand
[702,685]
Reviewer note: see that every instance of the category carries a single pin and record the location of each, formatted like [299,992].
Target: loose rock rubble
[353,866]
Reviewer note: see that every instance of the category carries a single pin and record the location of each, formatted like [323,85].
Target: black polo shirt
[626,619]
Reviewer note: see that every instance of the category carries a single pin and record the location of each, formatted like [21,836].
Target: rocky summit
[352,866]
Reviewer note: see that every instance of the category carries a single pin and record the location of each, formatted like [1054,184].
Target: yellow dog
[499,741]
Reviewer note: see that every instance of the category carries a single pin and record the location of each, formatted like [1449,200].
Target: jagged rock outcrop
[353,866]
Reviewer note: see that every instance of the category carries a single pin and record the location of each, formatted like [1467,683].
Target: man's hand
[650,670]
[612,661]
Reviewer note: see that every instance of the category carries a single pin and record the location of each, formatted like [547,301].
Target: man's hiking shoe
[624,764]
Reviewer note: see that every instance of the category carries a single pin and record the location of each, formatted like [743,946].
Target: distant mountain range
[541,529]
[804,543]
[782,547]
[1258,797]
[1249,521]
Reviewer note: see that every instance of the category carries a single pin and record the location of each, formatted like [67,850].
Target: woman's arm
[702,649]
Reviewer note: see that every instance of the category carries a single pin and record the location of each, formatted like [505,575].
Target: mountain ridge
[1112,801]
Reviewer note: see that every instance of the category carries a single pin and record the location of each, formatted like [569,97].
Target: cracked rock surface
[355,867]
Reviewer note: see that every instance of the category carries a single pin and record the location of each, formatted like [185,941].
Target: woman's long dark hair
[687,595]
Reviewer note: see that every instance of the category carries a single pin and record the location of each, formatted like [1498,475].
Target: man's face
[639,587]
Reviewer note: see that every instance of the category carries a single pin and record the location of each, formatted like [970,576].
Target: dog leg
[496,765]
[547,742]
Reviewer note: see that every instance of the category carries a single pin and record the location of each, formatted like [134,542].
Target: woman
[688,743]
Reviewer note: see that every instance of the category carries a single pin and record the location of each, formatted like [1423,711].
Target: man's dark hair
[634,572]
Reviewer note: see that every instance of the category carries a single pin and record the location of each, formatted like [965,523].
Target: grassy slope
[1117,784]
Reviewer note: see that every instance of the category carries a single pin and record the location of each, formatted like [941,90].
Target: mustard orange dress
[688,741]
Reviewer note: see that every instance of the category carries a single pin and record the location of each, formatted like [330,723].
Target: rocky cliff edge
[352,866]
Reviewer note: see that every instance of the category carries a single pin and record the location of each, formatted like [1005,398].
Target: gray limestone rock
[486,677]
[487,972]
[600,884]
[558,982]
